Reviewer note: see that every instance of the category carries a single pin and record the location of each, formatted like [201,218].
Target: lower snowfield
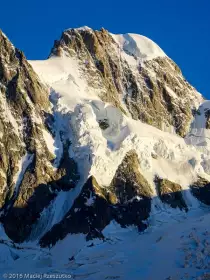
[177,248]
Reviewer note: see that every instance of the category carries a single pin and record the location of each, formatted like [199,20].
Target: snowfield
[175,247]
[139,46]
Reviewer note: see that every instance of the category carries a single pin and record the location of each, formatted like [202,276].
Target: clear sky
[180,27]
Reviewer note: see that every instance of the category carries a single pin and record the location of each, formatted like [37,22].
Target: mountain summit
[133,74]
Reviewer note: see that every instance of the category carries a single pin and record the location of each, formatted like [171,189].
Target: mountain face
[106,129]
[133,74]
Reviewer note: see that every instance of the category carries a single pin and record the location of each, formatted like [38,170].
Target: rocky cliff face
[23,104]
[75,149]
[28,180]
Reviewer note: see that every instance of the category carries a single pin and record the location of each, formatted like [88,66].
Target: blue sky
[181,28]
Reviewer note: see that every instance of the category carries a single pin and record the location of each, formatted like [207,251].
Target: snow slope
[139,46]
[199,134]
[178,248]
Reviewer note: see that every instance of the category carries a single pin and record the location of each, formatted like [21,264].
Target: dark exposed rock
[201,190]
[104,124]
[132,191]
[128,182]
[133,213]
[170,193]
[207,115]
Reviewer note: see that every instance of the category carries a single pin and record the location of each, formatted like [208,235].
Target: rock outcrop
[201,190]
[128,181]
[170,193]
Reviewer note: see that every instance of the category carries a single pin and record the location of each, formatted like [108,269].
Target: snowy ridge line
[138,46]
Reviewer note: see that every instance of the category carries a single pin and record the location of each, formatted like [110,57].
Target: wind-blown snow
[82,28]
[63,75]
[138,46]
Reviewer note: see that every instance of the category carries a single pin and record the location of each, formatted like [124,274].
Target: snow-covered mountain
[105,133]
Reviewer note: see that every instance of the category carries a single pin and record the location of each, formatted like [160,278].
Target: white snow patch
[138,46]
[49,141]
[90,201]
[23,165]
[82,28]
[171,92]
[8,116]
